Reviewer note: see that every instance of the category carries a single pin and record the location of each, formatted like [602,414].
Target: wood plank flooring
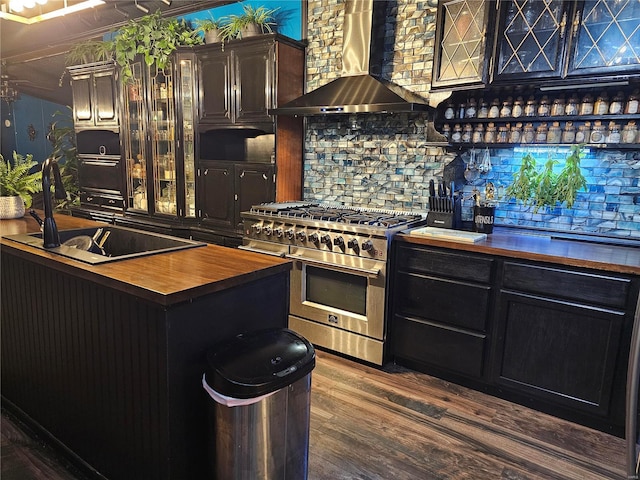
[396,424]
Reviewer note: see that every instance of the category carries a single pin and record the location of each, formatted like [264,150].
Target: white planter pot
[211,36]
[251,30]
[11,207]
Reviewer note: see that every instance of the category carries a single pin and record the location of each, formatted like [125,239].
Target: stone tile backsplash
[384,161]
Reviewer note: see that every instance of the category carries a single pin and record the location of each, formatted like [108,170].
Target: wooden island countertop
[164,279]
[512,243]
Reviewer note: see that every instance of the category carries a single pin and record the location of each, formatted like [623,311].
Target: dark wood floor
[395,424]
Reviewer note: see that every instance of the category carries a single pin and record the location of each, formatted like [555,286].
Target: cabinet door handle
[563,24]
[264,176]
[576,24]
[242,174]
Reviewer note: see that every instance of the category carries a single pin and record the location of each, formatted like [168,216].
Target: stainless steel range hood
[360,88]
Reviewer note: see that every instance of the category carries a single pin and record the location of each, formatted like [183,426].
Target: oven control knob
[338,242]
[313,238]
[301,235]
[257,228]
[367,245]
[267,231]
[352,244]
[279,232]
[326,239]
[289,233]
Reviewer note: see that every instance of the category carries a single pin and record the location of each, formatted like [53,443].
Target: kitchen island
[107,359]
[539,320]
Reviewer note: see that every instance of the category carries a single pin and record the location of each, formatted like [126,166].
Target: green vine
[154,37]
[522,186]
[570,179]
[544,188]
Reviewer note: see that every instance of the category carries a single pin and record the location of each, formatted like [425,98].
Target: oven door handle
[370,272]
[259,250]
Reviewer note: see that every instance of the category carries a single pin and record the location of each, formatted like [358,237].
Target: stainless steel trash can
[260,386]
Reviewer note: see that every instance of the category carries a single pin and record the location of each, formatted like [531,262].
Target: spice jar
[478,134]
[598,133]
[446,131]
[557,108]
[571,108]
[471,110]
[503,134]
[633,103]
[584,133]
[586,107]
[569,133]
[467,132]
[516,133]
[614,133]
[483,110]
[450,111]
[505,111]
[554,134]
[456,135]
[462,109]
[490,133]
[541,133]
[601,105]
[630,133]
[544,109]
[617,104]
[531,109]
[528,133]
[494,110]
[518,108]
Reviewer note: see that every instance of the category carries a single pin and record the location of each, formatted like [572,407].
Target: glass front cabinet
[156,157]
[549,39]
[461,39]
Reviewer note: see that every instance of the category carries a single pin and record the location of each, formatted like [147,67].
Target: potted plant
[252,21]
[17,185]
[210,28]
[90,52]
[154,37]
[546,188]
[65,152]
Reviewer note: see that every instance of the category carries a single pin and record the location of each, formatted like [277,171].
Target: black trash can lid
[258,363]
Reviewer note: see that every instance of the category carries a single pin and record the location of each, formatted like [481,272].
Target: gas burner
[393,221]
[358,218]
[326,214]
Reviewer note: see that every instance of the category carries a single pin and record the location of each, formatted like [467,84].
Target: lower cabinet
[225,189]
[100,182]
[551,337]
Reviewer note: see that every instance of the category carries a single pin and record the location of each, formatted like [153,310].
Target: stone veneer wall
[384,161]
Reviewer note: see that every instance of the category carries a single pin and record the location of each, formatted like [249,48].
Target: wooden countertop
[165,279]
[518,244]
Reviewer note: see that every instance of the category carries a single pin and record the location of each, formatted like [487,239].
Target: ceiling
[33,56]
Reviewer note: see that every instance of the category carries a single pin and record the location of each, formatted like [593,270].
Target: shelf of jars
[599,123]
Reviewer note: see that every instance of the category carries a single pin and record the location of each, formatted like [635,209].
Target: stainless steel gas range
[339,279]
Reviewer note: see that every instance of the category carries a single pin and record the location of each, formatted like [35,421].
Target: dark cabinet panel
[95,93]
[437,345]
[216,87]
[254,83]
[557,351]
[440,300]
[100,174]
[254,184]
[216,195]
[560,283]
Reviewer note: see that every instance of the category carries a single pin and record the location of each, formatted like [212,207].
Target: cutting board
[448,234]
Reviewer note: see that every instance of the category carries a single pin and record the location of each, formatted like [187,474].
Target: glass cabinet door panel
[163,142]
[134,144]
[187,95]
[531,37]
[606,35]
[462,44]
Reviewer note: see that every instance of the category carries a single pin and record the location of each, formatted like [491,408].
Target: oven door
[340,291]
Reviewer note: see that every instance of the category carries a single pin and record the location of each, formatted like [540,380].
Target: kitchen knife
[432,188]
[441,189]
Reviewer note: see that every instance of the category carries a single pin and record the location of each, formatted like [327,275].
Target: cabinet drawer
[95,199]
[445,263]
[559,283]
[448,301]
[445,348]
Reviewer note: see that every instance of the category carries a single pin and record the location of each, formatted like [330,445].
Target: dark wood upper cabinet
[216,88]
[94,88]
[462,49]
[556,39]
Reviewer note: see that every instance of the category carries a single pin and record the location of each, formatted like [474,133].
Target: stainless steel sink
[121,243]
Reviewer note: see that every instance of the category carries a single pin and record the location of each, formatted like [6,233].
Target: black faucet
[50,229]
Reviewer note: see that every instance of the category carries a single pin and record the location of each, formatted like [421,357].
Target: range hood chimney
[360,88]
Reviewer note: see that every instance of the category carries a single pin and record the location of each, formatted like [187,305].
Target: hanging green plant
[154,37]
[545,188]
